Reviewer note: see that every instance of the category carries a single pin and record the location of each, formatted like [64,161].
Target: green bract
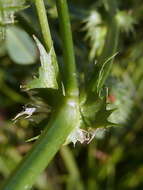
[47,73]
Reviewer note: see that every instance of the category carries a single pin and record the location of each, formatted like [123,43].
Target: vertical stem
[72,168]
[44,23]
[69,161]
[70,79]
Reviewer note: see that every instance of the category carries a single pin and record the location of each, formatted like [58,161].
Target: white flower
[27,111]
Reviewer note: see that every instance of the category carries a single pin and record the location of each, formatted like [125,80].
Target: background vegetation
[113,160]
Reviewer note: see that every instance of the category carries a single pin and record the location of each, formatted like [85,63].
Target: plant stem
[44,23]
[69,161]
[72,168]
[50,141]
[70,80]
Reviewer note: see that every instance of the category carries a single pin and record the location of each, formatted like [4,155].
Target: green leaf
[47,71]
[20,46]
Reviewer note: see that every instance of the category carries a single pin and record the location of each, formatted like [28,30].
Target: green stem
[92,168]
[72,168]
[69,161]
[70,80]
[44,23]
[52,138]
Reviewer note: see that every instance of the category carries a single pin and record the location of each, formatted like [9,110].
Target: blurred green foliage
[111,161]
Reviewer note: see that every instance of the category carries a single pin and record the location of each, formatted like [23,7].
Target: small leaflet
[103,72]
